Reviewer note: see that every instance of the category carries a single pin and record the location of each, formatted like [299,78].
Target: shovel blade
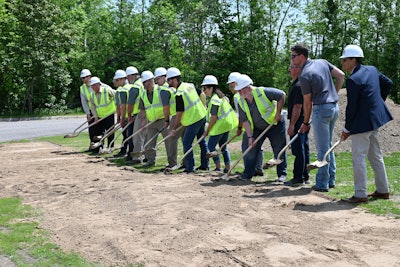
[316,164]
[95,145]
[211,154]
[272,162]
[70,135]
[225,177]
[105,150]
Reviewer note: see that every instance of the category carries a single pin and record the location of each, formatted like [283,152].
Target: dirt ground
[116,215]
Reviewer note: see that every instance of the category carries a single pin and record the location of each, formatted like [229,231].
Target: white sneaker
[282,178]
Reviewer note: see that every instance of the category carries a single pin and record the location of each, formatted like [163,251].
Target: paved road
[33,128]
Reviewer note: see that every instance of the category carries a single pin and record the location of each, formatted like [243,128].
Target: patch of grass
[25,243]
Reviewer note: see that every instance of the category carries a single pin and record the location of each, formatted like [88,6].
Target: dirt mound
[117,216]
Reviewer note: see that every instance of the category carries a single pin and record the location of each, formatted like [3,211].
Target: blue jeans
[260,156]
[324,117]
[301,151]
[220,139]
[191,132]
[277,138]
[203,148]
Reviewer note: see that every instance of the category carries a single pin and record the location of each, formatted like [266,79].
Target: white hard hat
[131,70]
[94,80]
[210,80]
[352,51]
[173,72]
[119,74]
[233,76]
[147,75]
[160,72]
[243,81]
[85,72]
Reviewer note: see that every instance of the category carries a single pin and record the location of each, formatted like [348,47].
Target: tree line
[44,44]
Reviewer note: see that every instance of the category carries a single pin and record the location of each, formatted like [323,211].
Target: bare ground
[116,215]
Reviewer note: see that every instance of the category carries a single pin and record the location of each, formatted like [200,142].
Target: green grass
[25,243]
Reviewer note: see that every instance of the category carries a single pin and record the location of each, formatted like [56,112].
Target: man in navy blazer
[366,112]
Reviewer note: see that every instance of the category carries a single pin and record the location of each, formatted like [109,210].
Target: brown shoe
[379,195]
[355,200]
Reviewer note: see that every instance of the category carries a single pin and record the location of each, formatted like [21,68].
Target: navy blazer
[366,110]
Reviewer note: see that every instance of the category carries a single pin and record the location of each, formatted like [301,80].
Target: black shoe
[202,168]
[331,186]
[243,178]
[259,173]
[319,189]
[121,153]
[293,183]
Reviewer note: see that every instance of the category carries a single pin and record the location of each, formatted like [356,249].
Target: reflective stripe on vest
[194,108]
[106,106]
[154,111]
[226,117]
[266,107]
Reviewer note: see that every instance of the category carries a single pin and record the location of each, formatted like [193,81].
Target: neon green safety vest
[194,108]
[138,85]
[87,92]
[172,103]
[106,106]
[226,117]
[154,111]
[266,107]
[123,89]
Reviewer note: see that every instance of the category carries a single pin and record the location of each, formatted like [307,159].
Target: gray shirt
[133,94]
[259,122]
[316,79]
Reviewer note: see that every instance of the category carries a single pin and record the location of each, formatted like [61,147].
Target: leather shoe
[259,173]
[355,200]
[319,189]
[379,195]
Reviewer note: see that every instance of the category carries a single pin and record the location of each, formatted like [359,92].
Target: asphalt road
[11,130]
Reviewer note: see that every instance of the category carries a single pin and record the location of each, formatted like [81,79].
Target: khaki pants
[172,144]
[152,130]
[138,140]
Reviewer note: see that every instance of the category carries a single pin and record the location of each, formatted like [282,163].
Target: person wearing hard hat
[160,75]
[151,106]
[300,146]
[191,113]
[366,112]
[85,93]
[260,107]
[236,97]
[121,97]
[136,143]
[102,105]
[221,120]
[320,96]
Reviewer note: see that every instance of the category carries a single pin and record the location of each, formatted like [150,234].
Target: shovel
[215,153]
[168,136]
[76,132]
[152,138]
[225,177]
[110,150]
[109,131]
[169,170]
[278,160]
[116,137]
[323,162]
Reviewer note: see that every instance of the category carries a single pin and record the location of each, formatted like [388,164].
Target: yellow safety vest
[194,108]
[226,117]
[266,107]
[138,85]
[172,103]
[106,106]
[154,111]
[125,89]
[86,91]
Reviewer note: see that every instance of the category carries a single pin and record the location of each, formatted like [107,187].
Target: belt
[324,103]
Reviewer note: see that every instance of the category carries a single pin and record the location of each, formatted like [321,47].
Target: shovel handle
[168,136]
[187,153]
[226,175]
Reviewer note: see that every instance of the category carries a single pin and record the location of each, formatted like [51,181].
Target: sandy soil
[116,215]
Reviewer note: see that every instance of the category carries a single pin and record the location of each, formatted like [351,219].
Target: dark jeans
[191,132]
[301,151]
[101,127]
[277,138]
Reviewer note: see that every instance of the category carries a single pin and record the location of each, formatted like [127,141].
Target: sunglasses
[292,56]
[84,77]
